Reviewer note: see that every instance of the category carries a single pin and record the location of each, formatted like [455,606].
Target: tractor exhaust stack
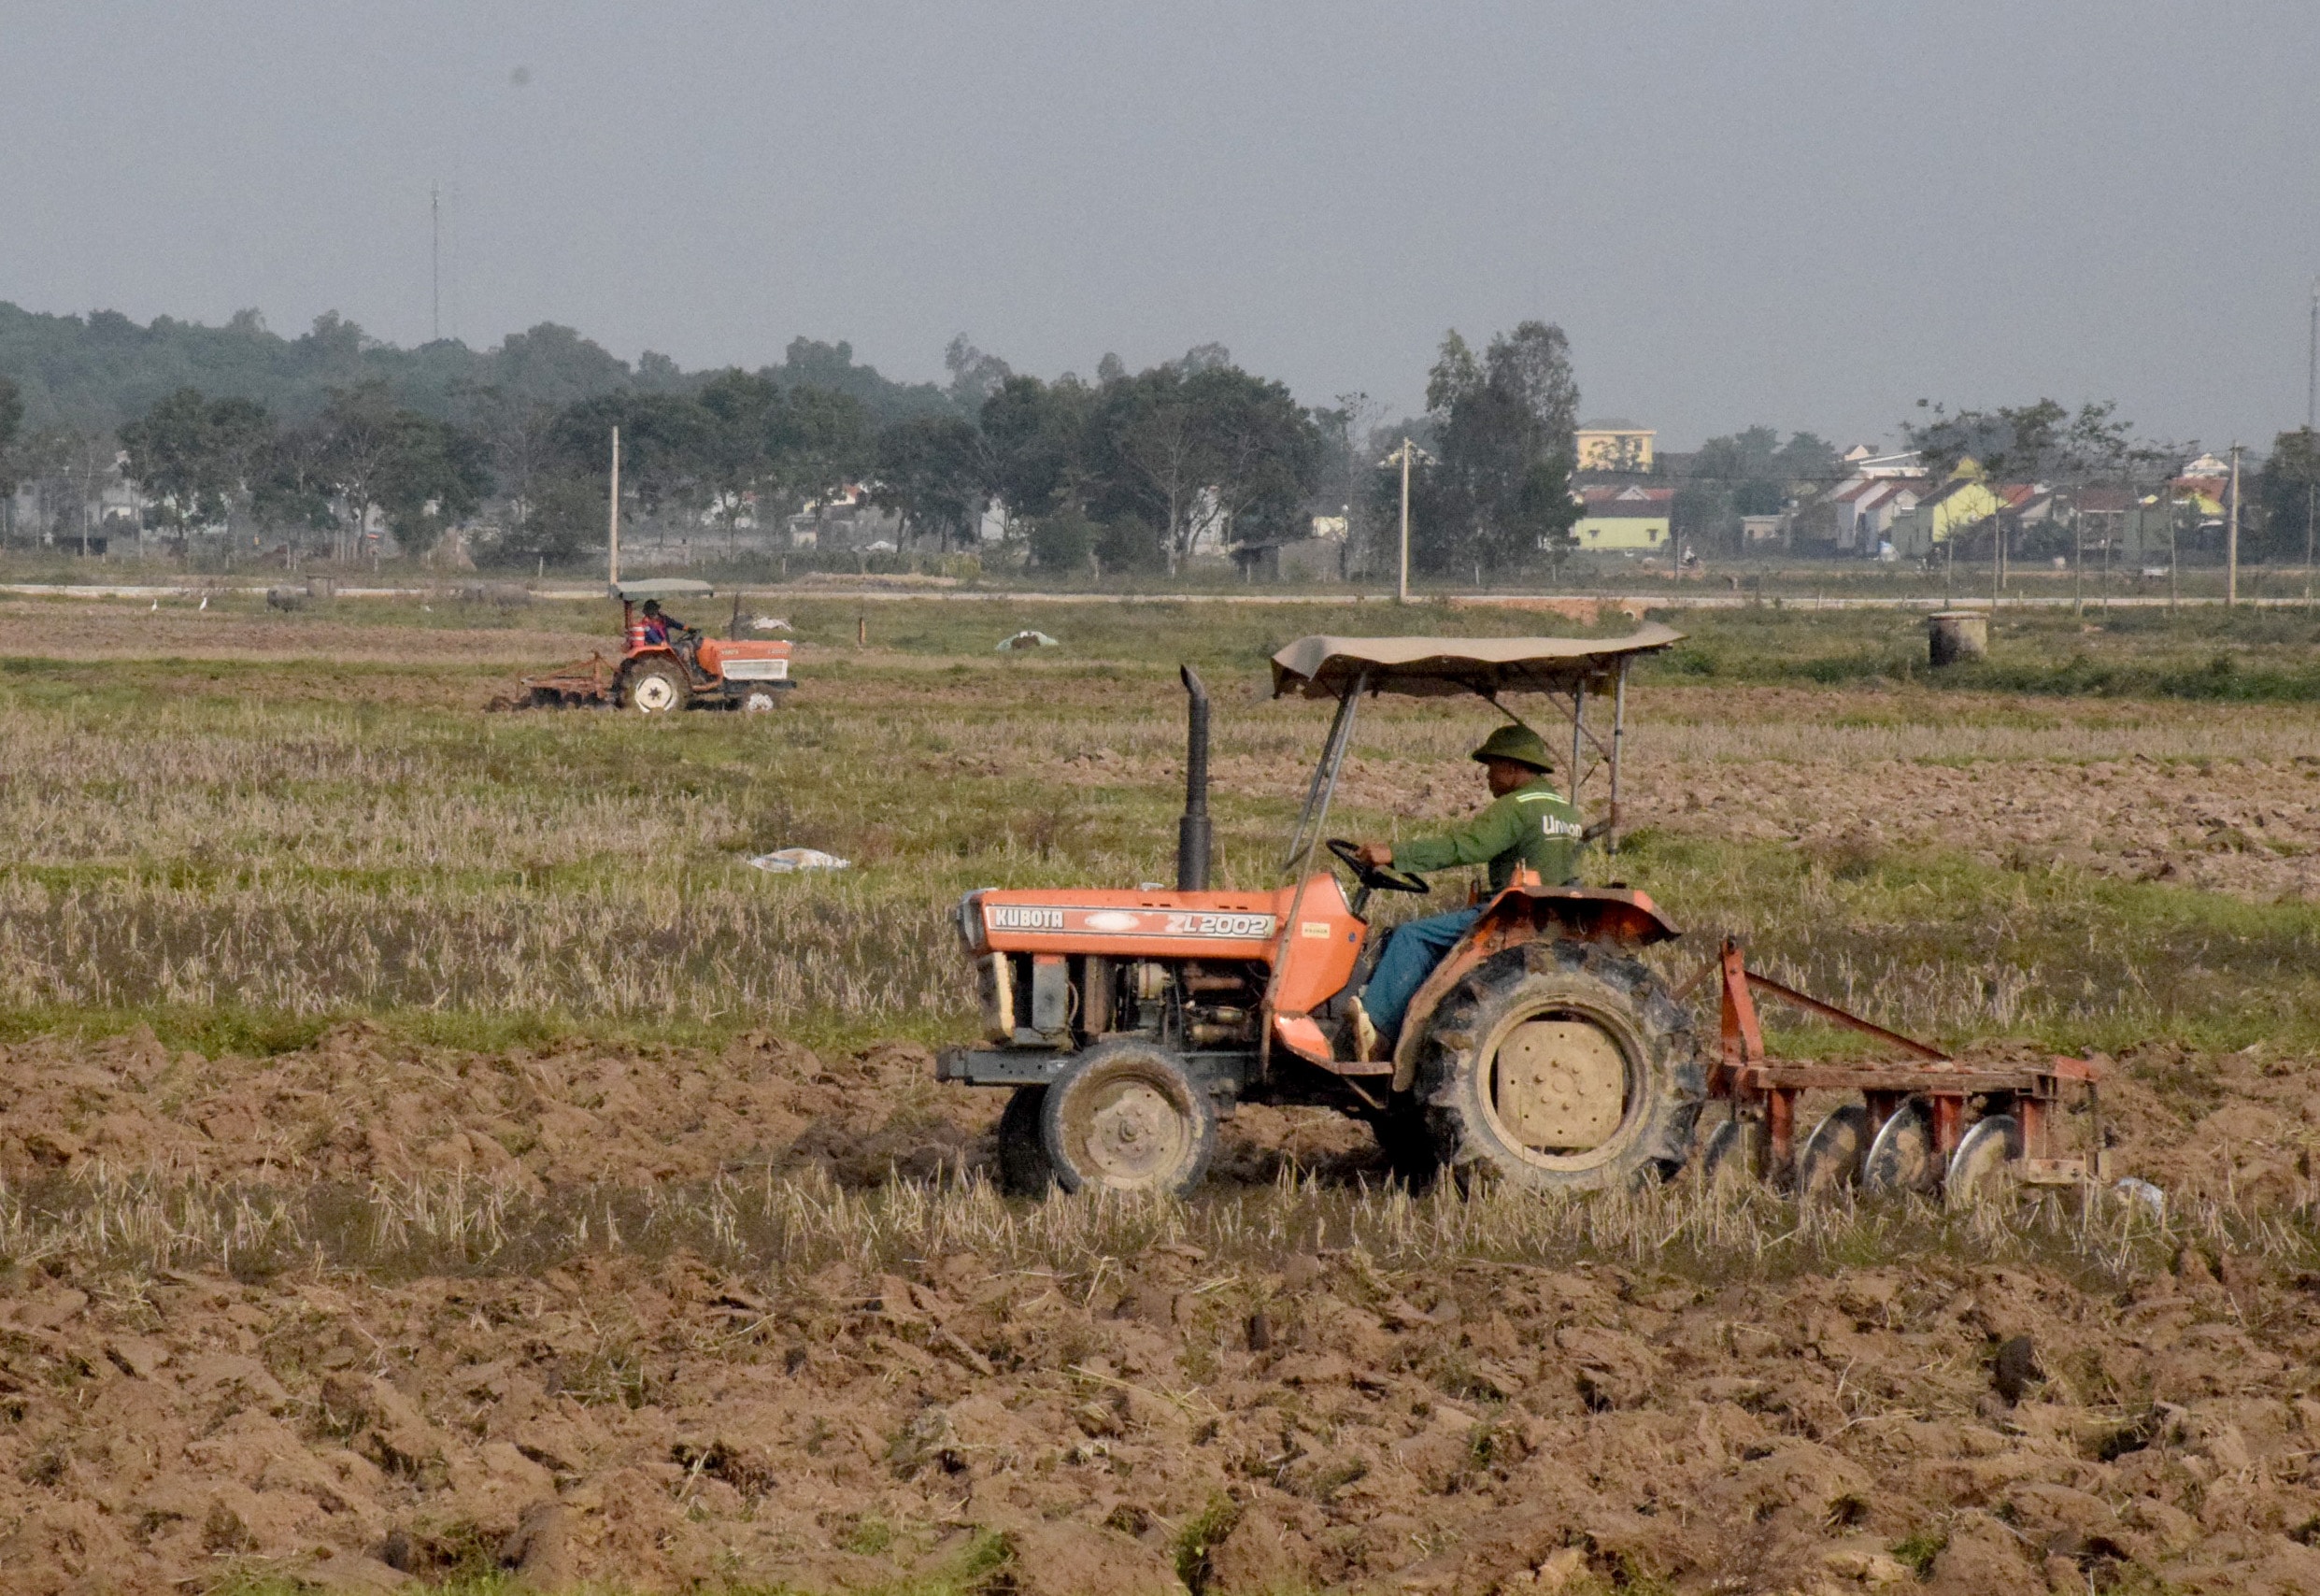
[1192,834]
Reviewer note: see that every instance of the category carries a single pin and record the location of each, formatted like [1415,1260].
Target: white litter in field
[786,860]
[769,623]
[2143,1191]
[1027,640]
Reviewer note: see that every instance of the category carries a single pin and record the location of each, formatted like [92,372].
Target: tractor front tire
[1126,1116]
[1561,1065]
[761,700]
[655,687]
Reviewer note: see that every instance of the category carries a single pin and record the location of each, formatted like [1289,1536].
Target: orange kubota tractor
[689,670]
[1127,1022]
[685,671]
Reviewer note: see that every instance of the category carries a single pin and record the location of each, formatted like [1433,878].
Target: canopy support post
[1618,741]
[1578,731]
[1318,810]
[1314,819]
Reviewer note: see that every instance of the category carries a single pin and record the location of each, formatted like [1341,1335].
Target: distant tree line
[1131,470]
[97,372]
[311,439]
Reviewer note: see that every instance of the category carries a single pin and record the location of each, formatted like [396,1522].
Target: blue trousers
[1412,950]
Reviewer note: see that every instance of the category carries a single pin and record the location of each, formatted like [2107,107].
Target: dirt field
[340,1316]
[663,1298]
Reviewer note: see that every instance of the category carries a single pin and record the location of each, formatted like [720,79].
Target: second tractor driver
[1528,822]
[662,629]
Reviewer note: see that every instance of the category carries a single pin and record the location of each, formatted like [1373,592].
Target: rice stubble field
[433,1154]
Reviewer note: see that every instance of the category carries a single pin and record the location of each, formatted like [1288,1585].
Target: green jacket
[1532,825]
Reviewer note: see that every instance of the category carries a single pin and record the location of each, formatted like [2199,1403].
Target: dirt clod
[2015,1370]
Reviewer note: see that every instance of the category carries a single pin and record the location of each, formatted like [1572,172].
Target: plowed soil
[1274,1419]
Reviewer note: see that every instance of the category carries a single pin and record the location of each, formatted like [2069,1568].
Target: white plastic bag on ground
[784,860]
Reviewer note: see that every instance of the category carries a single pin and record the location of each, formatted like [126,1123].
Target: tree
[434,474]
[1034,440]
[373,454]
[825,443]
[739,446]
[663,439]
[358,438]
[2027,443]
[932,470]
[11,418]
[1146,457]
[1260,450]
[519,433]
[974,375]
[292,487]
[1214,451]
[567,515]
[1061,539]
[68,466]
[199,456]
[1500,488]
[2289,489]
[1348,457]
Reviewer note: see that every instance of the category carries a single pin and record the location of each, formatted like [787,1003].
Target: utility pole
[1997,552]
[2078,556]
[1401,573]
[2311,404]
[612,564]
[1403,457]
[2173,592]
[434,256]
[2231,537]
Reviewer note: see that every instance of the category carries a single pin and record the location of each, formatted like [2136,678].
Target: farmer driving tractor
[1527,823]
[665,630]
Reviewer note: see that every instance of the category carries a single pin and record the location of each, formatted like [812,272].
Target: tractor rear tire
[1561,1065]
[655,687]
[1023,1167]
[1126,1116]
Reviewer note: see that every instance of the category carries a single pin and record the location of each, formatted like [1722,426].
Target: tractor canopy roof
[661,587]
[1435,667]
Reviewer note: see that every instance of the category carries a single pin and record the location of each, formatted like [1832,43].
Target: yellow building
[1627,520]
[1960,504]
[1613,446]
[1955,510]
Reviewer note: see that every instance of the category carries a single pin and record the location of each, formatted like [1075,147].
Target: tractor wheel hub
[1560,1085]
[1133,1130]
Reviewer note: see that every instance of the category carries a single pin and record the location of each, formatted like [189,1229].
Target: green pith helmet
[1517,742]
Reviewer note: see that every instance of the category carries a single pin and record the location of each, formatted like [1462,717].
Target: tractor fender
[1524,913]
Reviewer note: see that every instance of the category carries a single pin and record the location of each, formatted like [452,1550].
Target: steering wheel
[1376,878]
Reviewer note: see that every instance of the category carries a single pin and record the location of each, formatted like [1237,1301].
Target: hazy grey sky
[1804,214]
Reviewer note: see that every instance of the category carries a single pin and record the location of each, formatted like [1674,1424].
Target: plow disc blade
[1830,1162]
[1732,1154]
[1903,1157]
[1988,1164]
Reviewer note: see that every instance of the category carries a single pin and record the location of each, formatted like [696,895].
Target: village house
[1624,520]
[1613,446]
